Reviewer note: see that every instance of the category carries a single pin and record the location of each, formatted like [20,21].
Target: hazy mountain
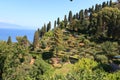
[4,25]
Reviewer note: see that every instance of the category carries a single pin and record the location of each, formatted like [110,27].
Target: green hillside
[83,46]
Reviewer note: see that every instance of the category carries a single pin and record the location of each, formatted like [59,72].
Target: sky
[35,13]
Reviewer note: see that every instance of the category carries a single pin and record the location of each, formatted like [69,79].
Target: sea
[5,33]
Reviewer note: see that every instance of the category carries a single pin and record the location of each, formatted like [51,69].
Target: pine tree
[48,26]
[54,24]
[36,40]
[9,41]
[70,17]
[65,20]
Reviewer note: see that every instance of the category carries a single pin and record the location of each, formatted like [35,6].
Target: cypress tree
[111,3]
[36,40]
[9,41]
[103,4]
[70,17]
[58,21]
[74,17]
[99,24]
[77,16]
[65,20]
[96,7]
[44,28]
[48,26]
[81,16]
[54,24]
[92,9]
[86,13]
[107,3]
[100,7]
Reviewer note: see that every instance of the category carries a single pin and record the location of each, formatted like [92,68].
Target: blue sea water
[5,33]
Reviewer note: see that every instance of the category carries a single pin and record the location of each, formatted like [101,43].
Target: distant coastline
[5,33]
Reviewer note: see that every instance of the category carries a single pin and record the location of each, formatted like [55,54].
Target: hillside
[83,46]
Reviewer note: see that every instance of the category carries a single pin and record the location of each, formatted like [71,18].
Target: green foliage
[43,44]
[58,40]
[49,34]
[23,41]
[48,26]
[9,41]
[70,17]
[36,40]
[18,62]
[85,64]
[113,76]
[65,21]
[58,21]
[108,49]
[40,69]
[101,58]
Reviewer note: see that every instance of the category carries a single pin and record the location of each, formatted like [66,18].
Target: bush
[101,58]
[47,55]
[43,44]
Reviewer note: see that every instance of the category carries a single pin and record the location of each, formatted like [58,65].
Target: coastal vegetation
[83,46]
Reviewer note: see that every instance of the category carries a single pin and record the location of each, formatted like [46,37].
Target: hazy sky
[34,13]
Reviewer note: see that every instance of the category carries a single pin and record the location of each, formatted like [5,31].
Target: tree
[77,16]
[45,28]
[25,41]
[58,21]
[9,41]
[48,26]
[36,40]
[104,4]
[81,16]
[96,7]
[86,13]
[70,17]
[58,40]
[111,4]
[65,20]
[91,10]
[93,24]
[100,28]
[111,18]
[54,24]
